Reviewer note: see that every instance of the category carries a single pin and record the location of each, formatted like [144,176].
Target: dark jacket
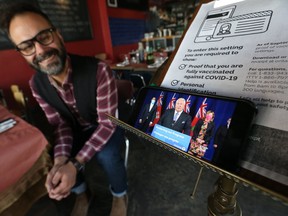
[147,116]
[84,83]
[183,123]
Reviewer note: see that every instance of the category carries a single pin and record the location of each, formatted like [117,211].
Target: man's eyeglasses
[44,37]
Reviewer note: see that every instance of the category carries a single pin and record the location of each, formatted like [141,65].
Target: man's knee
[106,157]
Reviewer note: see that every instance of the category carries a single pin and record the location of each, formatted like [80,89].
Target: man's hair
[183,99]
[9,10]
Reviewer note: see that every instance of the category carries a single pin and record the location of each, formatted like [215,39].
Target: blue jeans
[109,159]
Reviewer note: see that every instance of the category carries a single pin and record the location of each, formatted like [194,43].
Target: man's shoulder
[82,65]
[169,112]
[186,115]
[38,77]
[76,58]
[31,80]
[73,55]
[87,62]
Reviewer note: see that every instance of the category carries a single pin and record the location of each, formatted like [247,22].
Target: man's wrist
[79,166]
[61,160]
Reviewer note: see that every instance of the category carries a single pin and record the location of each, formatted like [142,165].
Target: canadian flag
[158,109]
[200,113]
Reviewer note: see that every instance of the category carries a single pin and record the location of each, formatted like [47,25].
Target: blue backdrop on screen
[223,110]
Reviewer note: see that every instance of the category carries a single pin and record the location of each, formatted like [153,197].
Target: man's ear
[59,34]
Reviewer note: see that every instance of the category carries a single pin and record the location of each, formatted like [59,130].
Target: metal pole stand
[223,200]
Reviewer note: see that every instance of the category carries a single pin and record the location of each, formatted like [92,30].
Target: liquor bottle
[141,52]
[150,56]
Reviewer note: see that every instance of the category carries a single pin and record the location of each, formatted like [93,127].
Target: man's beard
[54,68]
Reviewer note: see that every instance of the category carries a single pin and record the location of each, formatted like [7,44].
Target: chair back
[20,99]
[14,88]
[125,96]
[125,89]
[137,80]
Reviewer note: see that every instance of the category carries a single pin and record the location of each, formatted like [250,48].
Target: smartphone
[212,128]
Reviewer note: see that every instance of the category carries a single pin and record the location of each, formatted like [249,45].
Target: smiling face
[49,59]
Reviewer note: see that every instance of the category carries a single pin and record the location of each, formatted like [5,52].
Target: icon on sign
[182,66]
[175,82]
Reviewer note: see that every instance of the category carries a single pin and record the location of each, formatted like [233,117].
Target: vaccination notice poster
[240,49]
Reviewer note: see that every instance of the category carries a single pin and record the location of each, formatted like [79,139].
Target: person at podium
[176,119]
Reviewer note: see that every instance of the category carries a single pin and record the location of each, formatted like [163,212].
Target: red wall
[14,69]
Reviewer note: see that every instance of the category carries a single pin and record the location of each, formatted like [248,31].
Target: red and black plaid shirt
[107,102]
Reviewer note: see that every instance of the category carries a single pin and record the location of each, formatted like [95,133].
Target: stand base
[212,210]
[223,200]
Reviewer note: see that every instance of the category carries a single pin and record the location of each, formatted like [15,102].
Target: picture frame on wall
[112,3]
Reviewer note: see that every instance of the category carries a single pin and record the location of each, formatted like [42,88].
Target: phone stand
[223,200]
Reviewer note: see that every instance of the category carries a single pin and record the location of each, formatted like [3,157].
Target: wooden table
[24,164]
[140,67]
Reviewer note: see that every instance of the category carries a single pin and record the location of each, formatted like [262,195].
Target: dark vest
[84,71]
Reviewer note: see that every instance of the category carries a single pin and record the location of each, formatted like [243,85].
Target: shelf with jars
[165,43]
[173,15]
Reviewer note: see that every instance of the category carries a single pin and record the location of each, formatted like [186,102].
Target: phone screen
[212,128]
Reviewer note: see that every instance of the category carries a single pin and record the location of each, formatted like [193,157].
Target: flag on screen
[200,113]
[158,109]
[171,104]
[187,105]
